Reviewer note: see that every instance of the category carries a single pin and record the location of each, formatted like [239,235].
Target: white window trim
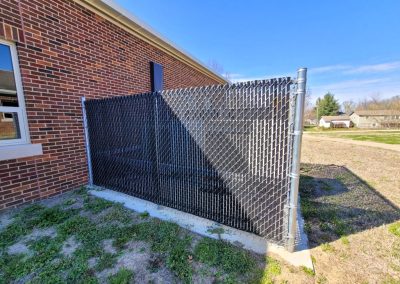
[22,117]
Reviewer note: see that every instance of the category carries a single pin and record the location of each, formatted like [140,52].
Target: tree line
[329,105]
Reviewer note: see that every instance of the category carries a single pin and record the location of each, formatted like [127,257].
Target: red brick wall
[66,52]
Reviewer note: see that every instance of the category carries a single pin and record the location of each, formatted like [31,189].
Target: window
[13,122]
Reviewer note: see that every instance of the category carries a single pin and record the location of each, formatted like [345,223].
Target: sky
[351,48]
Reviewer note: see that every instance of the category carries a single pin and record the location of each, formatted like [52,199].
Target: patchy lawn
[78,238]
[387,138]
[354,232]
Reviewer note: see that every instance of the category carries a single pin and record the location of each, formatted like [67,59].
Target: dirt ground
[79,238]
[350,197]
[379,167]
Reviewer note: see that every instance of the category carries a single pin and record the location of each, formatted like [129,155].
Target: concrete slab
[202,226]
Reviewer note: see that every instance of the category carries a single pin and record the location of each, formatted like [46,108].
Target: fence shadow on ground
[335,202]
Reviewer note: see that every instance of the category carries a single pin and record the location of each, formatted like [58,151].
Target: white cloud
[359,89]
[362,69]
[328,69]
[375,68]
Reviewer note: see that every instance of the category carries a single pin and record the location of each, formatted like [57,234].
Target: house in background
[376,118]
[340,121]
[52,53]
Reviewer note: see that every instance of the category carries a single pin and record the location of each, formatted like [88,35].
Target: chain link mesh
[220,152]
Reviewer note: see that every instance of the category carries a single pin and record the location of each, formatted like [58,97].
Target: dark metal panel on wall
[157,75]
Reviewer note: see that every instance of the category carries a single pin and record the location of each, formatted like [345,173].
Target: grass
[387,138]
[395,229]
[224,255]
[170,246]
[123,276]
[327,247]
[308,271]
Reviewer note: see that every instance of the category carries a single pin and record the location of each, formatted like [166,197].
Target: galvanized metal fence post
[87,144]
[295,167]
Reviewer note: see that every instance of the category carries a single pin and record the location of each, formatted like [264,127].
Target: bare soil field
[350,197]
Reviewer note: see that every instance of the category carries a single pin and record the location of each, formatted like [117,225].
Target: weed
[395,229]
[313,259]
[223,255]
[345,240]
[13,266]
[273,267]
[163,235]
[74,225]
[96,205]
[106,260]
[123,276]
[217,230]
[266,276]
[324,226]
[326,247]
[326,186]
[340,227]
[322,279]
[82,191]
[117,213]
[144,215]
[11,234]
[308,208]
[179,259]
[307,228]
[155,263]
[69,202]
[308,271]
[49,217]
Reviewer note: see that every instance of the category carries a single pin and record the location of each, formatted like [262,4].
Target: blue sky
[352,48]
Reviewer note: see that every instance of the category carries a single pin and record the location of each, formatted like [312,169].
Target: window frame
[20,110]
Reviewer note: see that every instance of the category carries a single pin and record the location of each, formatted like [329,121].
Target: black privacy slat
[218,152]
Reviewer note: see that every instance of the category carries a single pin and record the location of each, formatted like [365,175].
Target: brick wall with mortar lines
[65,52]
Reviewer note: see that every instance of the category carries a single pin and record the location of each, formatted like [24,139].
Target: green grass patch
[308,271]
[123,276]
[96,205]
[179,259]
[395,229]
[106,260]
[345,240]
[117,213]
[144,215]
[327,247]
[69,202]
[326,186]
[224,255]
[387,138]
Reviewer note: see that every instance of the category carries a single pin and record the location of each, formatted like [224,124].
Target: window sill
[20,151]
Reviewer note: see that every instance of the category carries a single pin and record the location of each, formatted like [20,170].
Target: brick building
[53,52]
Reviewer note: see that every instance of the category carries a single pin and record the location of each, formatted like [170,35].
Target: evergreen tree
[328,105]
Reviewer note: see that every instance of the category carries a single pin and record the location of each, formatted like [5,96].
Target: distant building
[339,121]
[376,118]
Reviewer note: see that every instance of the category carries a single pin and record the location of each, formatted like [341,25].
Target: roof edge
[112,12]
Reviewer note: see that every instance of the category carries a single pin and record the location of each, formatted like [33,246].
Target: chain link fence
[220,152]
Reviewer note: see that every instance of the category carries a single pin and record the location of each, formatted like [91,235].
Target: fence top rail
[226,87]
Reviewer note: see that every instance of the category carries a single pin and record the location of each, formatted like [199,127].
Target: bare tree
[218,68]
[348,106]
[375,103]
